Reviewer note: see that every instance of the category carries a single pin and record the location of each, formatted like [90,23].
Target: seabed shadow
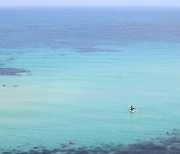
[167,145]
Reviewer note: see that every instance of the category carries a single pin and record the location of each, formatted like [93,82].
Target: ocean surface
[69,74]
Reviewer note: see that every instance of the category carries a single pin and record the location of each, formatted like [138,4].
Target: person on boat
[132,108]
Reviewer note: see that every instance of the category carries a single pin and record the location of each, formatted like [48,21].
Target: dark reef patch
[12,71]
[170,144]
[13,86]
[10,59]
[92,48]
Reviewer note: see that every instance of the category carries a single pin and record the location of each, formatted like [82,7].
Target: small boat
[132,111]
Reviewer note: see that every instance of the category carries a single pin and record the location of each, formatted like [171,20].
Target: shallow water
[70,74]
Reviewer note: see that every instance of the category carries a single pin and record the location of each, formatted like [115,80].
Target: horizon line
[107,6]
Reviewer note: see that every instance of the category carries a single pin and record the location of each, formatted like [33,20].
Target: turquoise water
[82,94]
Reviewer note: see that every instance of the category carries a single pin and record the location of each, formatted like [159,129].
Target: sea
[69,74]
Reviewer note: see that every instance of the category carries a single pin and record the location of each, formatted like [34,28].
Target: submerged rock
[12,71]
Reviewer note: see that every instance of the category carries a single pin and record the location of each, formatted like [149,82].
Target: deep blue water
[83,28]
[70,74]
